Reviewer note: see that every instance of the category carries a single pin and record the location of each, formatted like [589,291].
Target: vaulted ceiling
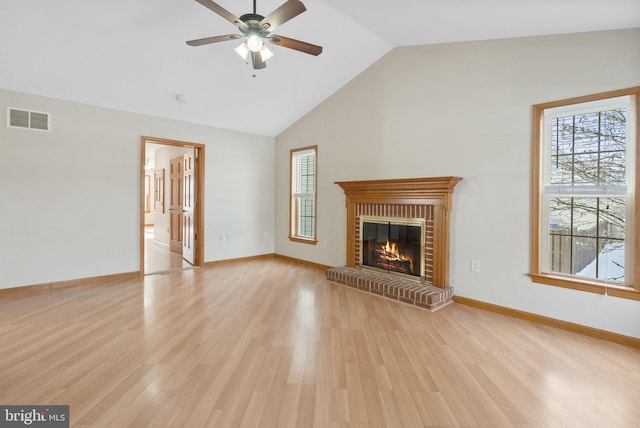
[132,56]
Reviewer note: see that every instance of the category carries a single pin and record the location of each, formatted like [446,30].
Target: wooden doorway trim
[199,184]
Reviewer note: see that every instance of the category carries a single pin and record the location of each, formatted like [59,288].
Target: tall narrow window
[303,195]
[158,190]
[585,207]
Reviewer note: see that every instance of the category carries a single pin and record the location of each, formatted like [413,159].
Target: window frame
[631,289]
[293,212]
[158,190]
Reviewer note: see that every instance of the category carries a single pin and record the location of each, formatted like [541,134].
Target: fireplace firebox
[393,245]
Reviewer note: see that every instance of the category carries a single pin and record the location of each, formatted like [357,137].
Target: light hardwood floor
[270,343]
[158,257]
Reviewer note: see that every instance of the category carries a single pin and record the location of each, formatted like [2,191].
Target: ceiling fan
[257,28]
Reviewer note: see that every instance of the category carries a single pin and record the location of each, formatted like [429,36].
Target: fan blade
[296,44]
[257,61]
[215,39]
[285,12]
[223,13]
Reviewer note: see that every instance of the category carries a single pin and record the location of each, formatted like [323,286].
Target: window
[303,195]
[584,202]
[158,190]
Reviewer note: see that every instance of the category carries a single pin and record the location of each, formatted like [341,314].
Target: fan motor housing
[248,17]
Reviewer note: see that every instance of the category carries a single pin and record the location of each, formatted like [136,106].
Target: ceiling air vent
[28,119]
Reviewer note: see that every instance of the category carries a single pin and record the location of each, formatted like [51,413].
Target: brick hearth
[403,290]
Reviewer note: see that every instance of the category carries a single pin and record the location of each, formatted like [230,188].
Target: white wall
[462,109]
[70,197]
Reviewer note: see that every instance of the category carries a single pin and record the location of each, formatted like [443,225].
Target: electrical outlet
[475,265]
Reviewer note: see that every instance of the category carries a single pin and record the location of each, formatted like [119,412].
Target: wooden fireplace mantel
[435,191]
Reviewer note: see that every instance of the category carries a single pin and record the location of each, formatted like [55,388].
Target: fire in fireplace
[393,245]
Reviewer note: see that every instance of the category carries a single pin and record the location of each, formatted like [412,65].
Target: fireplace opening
[393,245]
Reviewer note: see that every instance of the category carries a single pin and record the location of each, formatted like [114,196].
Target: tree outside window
[588,159]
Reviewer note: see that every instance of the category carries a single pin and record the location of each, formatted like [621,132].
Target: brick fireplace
[424,201]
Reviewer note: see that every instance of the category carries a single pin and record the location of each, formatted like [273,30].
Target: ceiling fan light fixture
[242,50]
[254,43]
[265,53]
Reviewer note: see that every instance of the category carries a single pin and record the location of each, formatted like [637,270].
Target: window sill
[303,240]
[624,292]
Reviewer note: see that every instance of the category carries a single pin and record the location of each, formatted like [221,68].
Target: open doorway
[172,201]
